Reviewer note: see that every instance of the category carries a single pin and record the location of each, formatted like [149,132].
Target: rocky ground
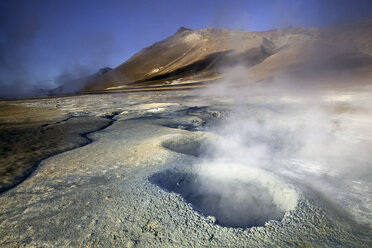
[149,170]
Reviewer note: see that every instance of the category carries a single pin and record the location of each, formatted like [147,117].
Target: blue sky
[44,41]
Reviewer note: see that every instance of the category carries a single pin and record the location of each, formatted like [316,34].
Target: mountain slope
[191,56]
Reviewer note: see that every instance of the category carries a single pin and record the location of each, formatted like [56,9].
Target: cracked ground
[142,170]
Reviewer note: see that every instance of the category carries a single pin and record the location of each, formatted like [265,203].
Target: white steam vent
[235,195]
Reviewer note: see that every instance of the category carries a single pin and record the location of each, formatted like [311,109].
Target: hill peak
[183,29]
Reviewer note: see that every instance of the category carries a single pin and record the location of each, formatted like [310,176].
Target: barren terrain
[164,169]
[209,138]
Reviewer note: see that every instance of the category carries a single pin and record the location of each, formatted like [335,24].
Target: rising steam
[317,136]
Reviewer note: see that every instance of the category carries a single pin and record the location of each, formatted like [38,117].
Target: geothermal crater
[233,200]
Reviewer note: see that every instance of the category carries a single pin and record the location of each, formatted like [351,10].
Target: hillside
[340,53]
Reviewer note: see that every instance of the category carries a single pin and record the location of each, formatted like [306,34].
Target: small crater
[186,126]
[188,145]
[233,200]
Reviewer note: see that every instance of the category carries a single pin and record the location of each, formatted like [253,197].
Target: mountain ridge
[193,56]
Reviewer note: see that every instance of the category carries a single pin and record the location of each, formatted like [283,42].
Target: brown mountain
[340,53]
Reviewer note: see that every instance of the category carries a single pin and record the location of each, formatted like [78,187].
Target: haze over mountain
[341,53]
[45,44]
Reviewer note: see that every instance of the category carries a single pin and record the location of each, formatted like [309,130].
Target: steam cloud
[300,133]
[31,62]
[17,28]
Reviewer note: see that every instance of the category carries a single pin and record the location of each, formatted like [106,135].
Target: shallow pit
[236,197]
[185,144]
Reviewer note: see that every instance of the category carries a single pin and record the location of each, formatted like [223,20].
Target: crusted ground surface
[123,188]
